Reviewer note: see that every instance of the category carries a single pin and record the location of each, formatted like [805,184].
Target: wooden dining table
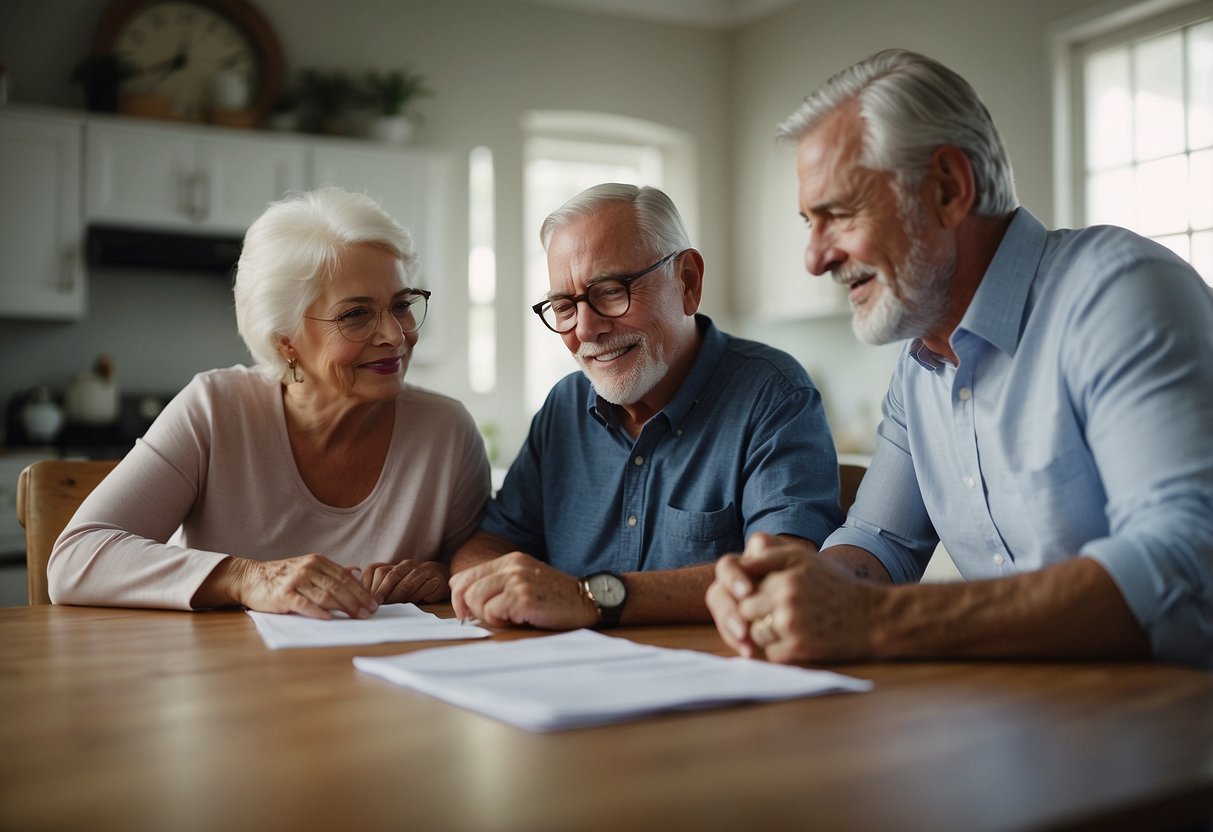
[153,720]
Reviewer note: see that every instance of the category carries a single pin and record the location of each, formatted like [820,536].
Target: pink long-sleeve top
[215,476]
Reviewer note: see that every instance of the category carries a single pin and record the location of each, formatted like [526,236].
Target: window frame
[1071,40]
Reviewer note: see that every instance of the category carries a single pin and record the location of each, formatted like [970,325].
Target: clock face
[206,57]
[181,48]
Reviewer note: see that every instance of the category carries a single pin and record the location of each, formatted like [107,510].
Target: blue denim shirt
[743,447]
[1078,422]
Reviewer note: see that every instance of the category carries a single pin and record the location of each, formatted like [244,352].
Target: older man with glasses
[674,443]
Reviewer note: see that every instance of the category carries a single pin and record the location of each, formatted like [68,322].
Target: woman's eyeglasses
[361,322]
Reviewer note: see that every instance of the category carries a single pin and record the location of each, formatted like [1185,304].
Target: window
[1142,141]
[482,273]
[565,154]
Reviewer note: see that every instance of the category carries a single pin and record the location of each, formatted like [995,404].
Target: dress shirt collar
[711,350]
[997,310]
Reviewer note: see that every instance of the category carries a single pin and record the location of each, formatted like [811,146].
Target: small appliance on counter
[92,397]
[134,414]
[41,416]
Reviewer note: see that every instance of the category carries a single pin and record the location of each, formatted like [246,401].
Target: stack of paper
[586,678]
[391,622]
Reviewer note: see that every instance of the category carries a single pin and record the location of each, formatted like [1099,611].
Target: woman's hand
[422,582]
[310,585]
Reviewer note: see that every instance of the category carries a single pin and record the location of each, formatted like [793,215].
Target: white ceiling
[716,14]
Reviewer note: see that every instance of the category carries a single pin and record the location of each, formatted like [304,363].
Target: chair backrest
[48,494]
[849,477]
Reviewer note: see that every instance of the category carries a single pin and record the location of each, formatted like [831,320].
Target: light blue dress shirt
[1078,422]
[743,447]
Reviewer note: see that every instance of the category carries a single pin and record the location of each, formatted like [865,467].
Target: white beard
[924,287]
[648,368]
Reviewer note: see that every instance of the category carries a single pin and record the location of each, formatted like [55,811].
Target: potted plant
[102,76]
[284,113]
[389,94]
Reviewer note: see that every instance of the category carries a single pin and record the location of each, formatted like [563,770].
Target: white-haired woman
[315,482]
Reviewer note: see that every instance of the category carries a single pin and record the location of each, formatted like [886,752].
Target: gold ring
[766,625]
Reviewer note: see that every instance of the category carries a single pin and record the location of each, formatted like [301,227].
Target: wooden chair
[849,477]
[48,494]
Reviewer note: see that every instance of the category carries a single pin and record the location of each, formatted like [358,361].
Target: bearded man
[1050,418]
[674,443]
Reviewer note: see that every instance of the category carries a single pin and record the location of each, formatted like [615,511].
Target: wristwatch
[608,593]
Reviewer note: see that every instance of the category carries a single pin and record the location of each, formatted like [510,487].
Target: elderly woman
[316,482]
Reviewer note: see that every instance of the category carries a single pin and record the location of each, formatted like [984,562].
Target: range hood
[110,246]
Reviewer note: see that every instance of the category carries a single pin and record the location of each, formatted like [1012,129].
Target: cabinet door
[412,187]
[197,179]
[41,275]
[240,177]
[138,176]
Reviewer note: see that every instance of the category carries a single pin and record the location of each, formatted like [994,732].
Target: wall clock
[181,46]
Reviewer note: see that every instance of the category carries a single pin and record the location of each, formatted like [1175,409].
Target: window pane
[1110,198]
[1109,117]
[1158,112]
[482,348]
[1200,175]
[482,273]
[1202,254]
[1178,243]
[1162,196]
[1200,86]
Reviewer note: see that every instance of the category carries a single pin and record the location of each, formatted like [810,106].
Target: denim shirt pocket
[711,532]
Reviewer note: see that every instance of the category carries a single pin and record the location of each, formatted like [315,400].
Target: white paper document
[587,678]
[391,622]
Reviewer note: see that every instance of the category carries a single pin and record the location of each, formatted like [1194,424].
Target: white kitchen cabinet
[412,186]
[41,274]
[194,179]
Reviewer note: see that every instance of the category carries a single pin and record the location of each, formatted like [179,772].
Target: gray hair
[912,105]
[660,226]
[294,244]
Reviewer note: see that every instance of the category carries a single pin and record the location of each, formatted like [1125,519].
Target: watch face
[608,590]
[181,48]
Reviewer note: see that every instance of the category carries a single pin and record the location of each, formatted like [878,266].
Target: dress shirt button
[965,394]
[639,460]
[970,482]
[678,432]
[999,559]
[632,522]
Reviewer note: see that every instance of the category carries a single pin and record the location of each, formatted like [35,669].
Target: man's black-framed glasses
[610,297]
[361,322]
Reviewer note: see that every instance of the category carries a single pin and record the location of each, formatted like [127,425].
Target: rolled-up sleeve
[1143,373]
[889,518]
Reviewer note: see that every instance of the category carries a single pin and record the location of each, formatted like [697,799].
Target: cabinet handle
[185,188]
[67,270]
[202,196]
